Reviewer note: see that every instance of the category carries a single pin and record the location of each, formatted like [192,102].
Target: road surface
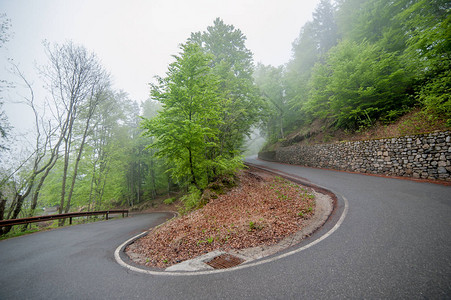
[395,242]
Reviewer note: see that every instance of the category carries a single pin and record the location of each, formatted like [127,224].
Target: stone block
[442,170]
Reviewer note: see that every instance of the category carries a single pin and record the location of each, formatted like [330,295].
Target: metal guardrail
[12,222]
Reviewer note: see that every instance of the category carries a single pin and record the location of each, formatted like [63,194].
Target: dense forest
[358,62]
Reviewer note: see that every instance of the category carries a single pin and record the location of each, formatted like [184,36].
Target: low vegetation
[412,123]
[261,210]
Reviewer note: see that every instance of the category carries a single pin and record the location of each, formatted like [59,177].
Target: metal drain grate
[224,261]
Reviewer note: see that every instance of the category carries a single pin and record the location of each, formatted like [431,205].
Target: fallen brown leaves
[262,209]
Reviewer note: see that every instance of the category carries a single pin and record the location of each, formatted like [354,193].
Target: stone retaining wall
[426,156]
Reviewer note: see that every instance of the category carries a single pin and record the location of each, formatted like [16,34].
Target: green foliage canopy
[239,103]
[362,61]
[186,130]
[357,84]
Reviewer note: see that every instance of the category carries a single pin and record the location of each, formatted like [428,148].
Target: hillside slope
[320,132]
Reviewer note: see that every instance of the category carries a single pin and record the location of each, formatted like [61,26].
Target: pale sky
[135,39]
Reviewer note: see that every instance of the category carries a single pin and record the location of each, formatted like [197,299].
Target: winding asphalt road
[394,242]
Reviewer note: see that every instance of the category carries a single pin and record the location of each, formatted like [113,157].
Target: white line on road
[263,261]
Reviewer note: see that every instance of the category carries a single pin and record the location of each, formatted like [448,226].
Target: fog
[135,40]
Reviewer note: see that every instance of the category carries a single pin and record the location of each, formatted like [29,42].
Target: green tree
[358,84]
[390,56]
[314,41]
[76,80]
[373,21]
[324,27]
[186,130]
[298,72]
[428,54]
[156,175]
[106,174]
[108,152]
[270,81]
[232,63]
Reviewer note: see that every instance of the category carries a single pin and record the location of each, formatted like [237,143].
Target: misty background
[135,40]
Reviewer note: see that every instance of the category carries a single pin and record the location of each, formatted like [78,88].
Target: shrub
[169,201]
[192,199]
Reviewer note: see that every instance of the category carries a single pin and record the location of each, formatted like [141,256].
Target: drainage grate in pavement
[224,261]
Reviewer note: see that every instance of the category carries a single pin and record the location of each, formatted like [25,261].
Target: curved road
[395,242]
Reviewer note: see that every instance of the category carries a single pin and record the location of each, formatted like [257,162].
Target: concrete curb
[198,263]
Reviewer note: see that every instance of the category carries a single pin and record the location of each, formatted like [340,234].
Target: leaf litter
[261,210]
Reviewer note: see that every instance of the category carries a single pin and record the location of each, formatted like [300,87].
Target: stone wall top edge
[421,135]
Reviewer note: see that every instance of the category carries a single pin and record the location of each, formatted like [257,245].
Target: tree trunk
[193,181]
[10,211]
[68,142]
[91,188]
[63,185]
[169,187]
[152,178]
[138,192]
[281,127]
[2,210]
[2,207]
[102,190]
[77,161]
[19,202]
[34,200]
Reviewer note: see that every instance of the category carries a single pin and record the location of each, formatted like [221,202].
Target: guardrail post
[107,215]
[70,220]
